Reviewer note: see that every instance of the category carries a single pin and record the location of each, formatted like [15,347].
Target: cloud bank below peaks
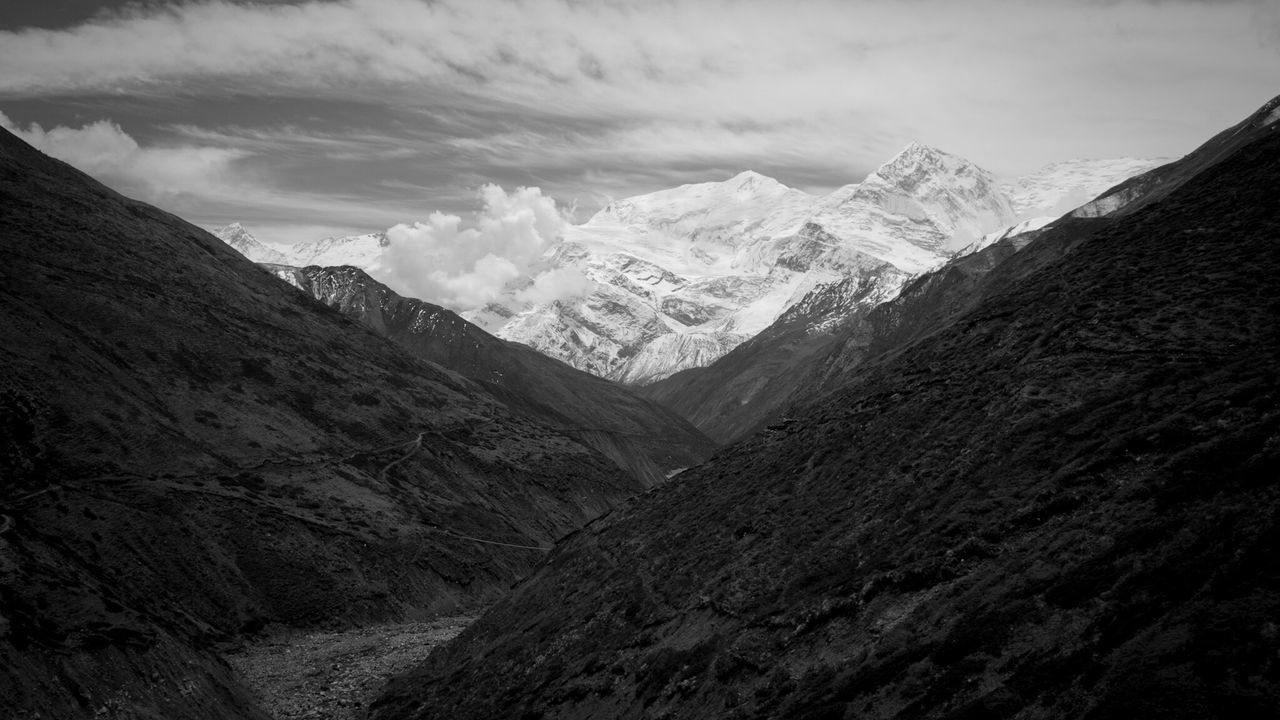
[465,268]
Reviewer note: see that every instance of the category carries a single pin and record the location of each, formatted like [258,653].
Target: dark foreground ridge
[191,451]
[1060,503]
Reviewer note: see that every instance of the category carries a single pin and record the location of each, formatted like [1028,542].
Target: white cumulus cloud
[556,284]
[104,150]
[463,268]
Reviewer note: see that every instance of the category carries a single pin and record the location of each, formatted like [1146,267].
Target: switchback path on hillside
[414,446]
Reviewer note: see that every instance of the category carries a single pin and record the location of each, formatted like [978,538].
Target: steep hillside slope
[642,437]
[192,450]
[1061,504]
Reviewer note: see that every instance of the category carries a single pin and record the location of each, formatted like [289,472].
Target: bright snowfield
[247,245]
[679,277]
[362,251]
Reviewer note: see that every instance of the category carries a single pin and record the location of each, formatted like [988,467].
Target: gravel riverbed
[335,675]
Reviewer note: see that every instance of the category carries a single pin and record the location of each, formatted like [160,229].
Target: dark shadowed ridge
[192,451]
[642,437]
[1060,501]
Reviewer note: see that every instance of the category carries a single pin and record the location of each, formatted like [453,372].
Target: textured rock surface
[335,675]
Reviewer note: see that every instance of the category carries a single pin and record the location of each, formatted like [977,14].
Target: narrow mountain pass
[335,675]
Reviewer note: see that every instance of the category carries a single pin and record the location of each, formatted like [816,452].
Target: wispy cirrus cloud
[718,60]
[286,139]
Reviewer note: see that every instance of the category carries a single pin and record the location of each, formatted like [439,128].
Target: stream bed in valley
[335,675]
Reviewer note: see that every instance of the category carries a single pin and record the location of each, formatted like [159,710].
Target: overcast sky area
[306,118]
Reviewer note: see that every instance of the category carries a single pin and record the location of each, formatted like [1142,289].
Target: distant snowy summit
[247,245]
[362,251]
[679,277]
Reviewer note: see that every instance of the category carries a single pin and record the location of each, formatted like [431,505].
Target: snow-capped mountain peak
[749,180]
[917,163]
[934,200]
[747,196]
[246,244]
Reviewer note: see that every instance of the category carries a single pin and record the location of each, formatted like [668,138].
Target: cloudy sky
[304,118]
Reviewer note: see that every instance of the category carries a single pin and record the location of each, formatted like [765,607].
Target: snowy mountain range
[685,275]
[362,251]
[679,277]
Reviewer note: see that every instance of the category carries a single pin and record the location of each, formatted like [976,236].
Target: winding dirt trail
[414,446]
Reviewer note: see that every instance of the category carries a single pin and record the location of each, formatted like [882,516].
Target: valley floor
[335,675]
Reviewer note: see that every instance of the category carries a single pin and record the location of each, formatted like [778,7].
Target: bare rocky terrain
[314,675]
